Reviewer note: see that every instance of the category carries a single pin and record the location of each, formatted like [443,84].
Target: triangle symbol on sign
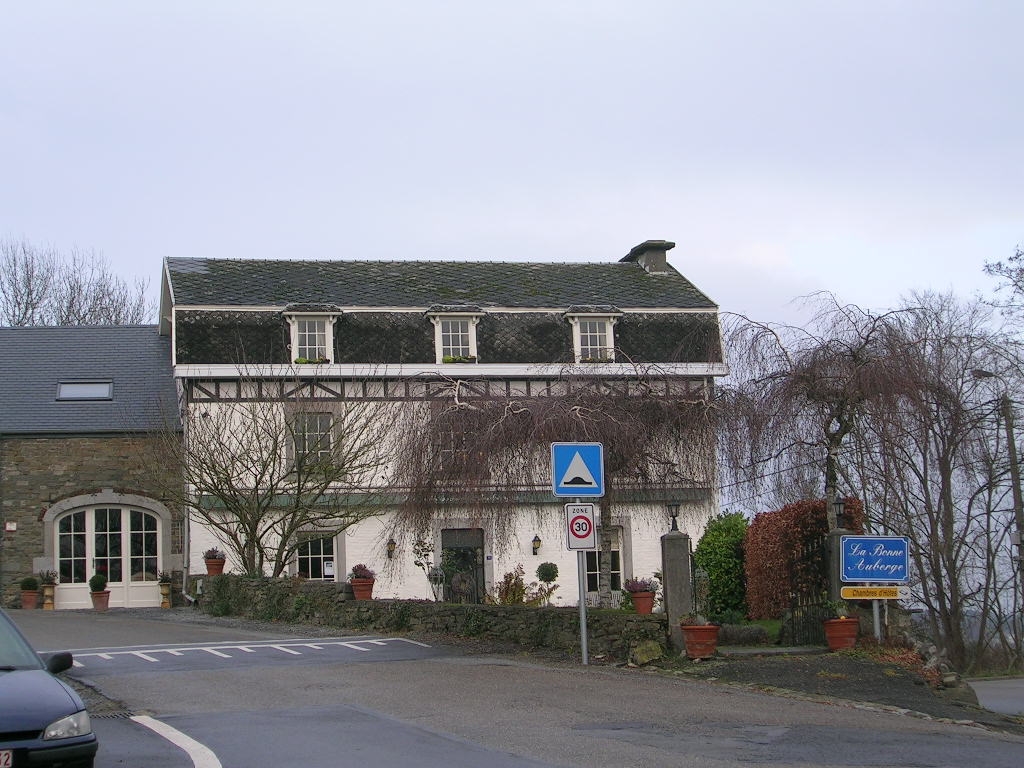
[578,474]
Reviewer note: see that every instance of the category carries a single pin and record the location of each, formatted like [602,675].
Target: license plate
[6,758]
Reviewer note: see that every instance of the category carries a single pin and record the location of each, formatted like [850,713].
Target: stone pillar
[677,582]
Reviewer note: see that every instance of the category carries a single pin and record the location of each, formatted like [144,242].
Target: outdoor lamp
[391,548]
[839,507]
[673,512]
[536,543]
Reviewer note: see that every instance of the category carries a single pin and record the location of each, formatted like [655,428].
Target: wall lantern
[536,543]
[392,546]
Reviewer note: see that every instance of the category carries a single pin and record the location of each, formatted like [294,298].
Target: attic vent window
[85,390]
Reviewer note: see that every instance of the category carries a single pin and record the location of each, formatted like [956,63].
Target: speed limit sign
[579,522]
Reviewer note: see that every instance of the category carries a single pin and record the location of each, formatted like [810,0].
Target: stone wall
[36,472]
[614,633]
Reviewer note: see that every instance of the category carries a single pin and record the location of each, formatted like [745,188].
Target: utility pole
[1018,505]
[1006,406]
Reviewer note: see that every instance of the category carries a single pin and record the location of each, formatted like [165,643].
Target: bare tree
[796,394]
[42,286]
[888,406]
[1010,273]
[278,463]
[933,465]
[482,454]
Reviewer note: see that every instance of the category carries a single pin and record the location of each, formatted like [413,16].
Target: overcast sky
[868,148]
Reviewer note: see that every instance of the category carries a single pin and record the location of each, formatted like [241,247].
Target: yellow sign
[870,593]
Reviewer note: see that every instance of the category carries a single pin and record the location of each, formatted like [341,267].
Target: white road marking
[201,755]
[355,647]
[221,650]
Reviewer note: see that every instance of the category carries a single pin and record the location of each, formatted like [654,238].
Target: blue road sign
[875,558]
[577,469]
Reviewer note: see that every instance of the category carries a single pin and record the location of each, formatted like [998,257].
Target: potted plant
[699,636]
[361,578]
[165,589]
[840,628]
[214,559]
[29,592]
[98,592]
[48,580]
[642,592]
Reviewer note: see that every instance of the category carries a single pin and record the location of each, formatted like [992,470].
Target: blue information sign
[577,469]
[875,559]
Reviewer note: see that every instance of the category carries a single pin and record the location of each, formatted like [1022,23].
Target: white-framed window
[593,339]
[312,337]
[120,543]
[315,559]
[312,439]
[455,337]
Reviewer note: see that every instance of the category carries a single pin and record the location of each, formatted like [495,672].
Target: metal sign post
[875,560]
[581,535]
[581,568]
[577,469]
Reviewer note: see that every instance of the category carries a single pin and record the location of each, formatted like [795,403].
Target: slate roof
[413,284]
[35,360]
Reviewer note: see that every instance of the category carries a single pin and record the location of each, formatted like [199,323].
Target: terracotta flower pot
[841,633]
[701,640]
[214,567]
[362,588]
[29,599]
[643,602]
[100,600]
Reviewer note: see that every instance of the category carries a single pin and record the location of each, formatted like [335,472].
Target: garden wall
[615,633]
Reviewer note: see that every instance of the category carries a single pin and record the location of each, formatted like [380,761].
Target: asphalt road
[1004,695]
[448,709]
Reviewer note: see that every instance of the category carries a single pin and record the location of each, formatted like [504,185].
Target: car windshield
[15,652]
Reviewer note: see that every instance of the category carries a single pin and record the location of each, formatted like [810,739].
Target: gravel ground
[832,678]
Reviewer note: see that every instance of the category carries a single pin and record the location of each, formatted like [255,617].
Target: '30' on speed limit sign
[579,522]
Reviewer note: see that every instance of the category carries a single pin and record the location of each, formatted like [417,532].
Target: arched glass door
[121,543]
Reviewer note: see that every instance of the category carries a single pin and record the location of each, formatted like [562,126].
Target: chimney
[650,255]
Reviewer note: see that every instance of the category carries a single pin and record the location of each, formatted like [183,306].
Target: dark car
[43,722]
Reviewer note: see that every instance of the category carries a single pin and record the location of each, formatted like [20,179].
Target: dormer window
[455,333]
[312,333]
[311,338]
[593,339]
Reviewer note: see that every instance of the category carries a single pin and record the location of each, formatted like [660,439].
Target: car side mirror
[58,662]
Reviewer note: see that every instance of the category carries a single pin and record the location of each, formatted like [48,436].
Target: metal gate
[808,608]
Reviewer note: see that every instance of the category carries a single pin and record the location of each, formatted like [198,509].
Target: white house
[320,340]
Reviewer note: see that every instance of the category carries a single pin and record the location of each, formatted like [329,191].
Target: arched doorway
[124,541]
